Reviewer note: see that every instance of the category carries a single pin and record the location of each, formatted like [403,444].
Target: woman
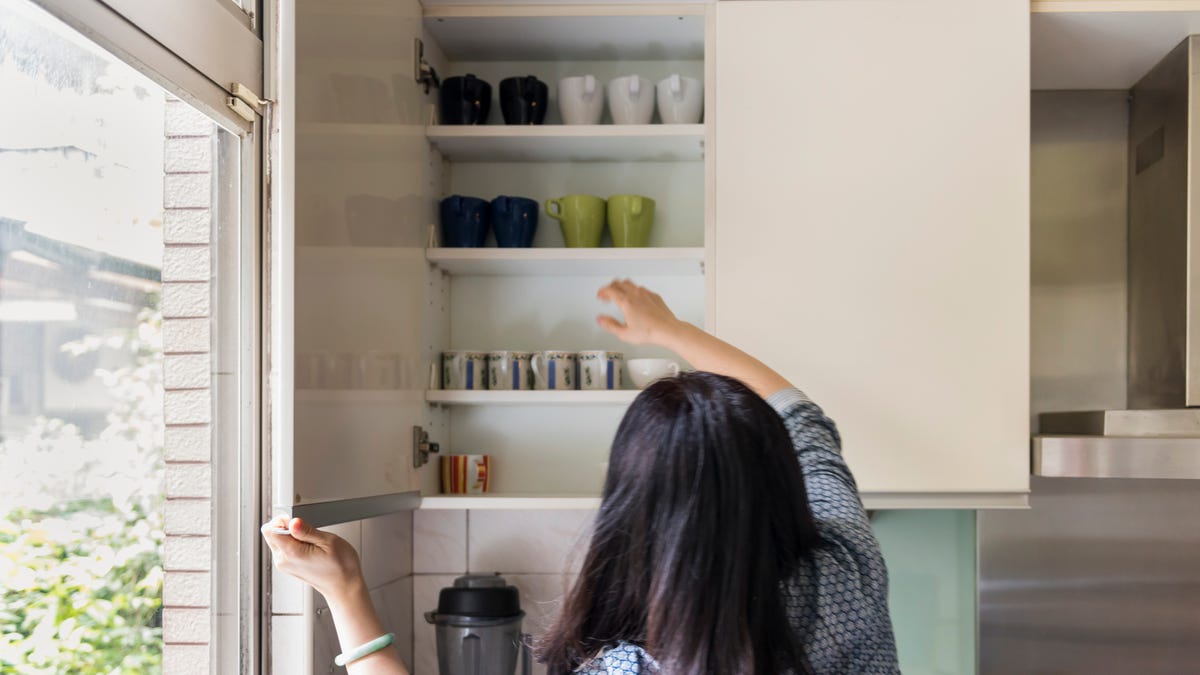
[730,538]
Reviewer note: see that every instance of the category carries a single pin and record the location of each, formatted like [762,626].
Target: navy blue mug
[465,221]
[514,219]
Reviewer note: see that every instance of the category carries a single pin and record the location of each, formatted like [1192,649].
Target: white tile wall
[187,191]
[189,155]
[192,625]
[188,406]
[188,480]
[188,516]
[186,335]
[188,554]
[186,659]
[187,226]
[187,263]
[387,546]
[394,603]
[542,542]
[187,589]
[440,542]
[186,371]
[185,299]
[186,305]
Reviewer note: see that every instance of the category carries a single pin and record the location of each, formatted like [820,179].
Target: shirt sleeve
[832,492]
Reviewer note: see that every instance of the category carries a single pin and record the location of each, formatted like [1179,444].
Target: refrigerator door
[1099,576]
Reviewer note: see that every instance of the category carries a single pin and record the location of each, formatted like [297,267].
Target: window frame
[197,51]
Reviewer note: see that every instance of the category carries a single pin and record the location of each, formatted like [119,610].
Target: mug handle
[635,85]
[677,87]
[589,85]
[552,214]
[500,204]
[636,206]
[533,365]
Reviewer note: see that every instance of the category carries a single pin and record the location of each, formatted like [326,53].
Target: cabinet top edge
[1112,6]
[453,10]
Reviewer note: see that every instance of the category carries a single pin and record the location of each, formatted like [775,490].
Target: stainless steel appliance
[478,622]
[1102,574]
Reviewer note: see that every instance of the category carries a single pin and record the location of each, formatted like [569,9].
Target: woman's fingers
[611,325]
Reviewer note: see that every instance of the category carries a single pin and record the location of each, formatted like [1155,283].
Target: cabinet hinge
[245,102]
[423,73]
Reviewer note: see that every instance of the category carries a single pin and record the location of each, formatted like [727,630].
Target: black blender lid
[480,596]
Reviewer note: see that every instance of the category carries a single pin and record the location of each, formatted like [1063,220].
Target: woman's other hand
[323,560]
[648,320]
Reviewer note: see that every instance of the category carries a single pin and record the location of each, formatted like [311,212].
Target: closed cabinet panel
[872,227]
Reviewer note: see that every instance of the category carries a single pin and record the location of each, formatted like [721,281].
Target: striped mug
[466,474]
[464,370]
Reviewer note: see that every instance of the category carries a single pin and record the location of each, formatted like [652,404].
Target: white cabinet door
[872,229]
[356,188]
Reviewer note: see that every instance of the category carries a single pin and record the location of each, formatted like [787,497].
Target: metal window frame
[197,50]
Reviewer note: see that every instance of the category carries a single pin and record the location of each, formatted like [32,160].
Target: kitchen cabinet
[852,210]
[359,286]
[872,230]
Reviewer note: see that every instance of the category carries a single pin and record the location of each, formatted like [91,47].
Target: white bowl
[643,372]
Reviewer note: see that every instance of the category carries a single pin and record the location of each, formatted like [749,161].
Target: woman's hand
[323,560]
[648,320]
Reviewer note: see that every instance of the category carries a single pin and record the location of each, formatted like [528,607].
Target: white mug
[464,369]
[554,369]
[645,371]
[580,100]
[631,100]
[509,370]
[599,369]
[680,100]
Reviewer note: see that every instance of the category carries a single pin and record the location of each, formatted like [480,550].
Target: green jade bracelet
[364,649]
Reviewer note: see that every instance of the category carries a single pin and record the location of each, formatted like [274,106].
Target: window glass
[81,393]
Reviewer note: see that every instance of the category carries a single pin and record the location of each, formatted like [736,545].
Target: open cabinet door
[353,190]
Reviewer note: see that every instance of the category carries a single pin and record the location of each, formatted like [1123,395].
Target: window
[127,355]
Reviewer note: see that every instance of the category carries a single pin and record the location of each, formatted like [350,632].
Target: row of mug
[523,100]
[466,220]
[548,370]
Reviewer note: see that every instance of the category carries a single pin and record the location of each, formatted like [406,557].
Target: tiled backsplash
[408,557]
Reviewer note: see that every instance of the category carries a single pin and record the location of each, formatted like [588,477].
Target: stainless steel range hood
[1159,435]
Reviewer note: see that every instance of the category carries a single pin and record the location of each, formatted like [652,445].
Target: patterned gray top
[837,599]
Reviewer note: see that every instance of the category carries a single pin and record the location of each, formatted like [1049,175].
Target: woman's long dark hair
[704,515]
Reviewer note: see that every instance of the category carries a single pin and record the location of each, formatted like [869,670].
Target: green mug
[629,219]
[581,218]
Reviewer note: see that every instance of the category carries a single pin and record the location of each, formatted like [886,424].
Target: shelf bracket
[422,447]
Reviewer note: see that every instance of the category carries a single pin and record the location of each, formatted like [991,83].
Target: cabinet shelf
[570,143]
[614,262]
[462,397]
[509,501]
[502,143]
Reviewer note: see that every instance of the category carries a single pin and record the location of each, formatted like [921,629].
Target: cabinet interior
[371,167]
